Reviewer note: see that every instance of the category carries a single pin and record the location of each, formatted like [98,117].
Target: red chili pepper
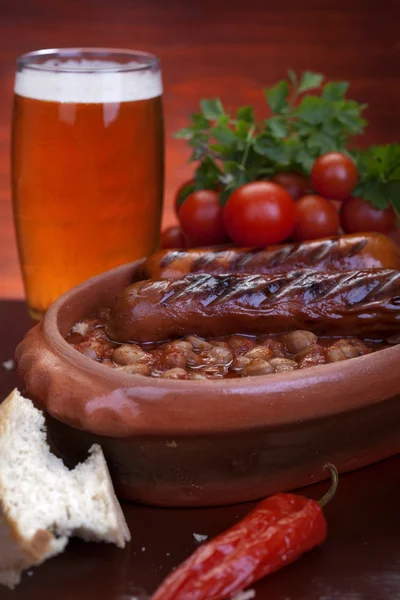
[277,532]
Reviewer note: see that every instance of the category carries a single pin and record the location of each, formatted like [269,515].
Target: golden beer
[87,166]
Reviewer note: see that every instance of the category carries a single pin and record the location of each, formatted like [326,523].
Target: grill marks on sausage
[370,290]
[208,261]
[170,257]
[386,288]
[255,291]
[183,287]
[309,254]
[362,303]
[357,247]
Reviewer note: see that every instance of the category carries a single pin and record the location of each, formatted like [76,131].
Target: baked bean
[257,352]
[258,366]
[219,354]
[194,358]
[138,369]
[96,346]
[130,354]
[197,343]
[296,341]
[175,354]
[262,352]
[88,350]
[239,363]
[173,358]
[240,343]
[311,357]
[344,349]
[214,371]
[176,373]
[283,364]
[277,348]
[182,346]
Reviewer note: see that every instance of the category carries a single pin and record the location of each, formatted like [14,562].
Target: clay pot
[198,443]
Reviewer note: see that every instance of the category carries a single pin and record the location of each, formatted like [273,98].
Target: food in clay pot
[193,357]
[205,325]
[343,386]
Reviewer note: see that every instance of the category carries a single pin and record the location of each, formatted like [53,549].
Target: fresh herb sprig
[379,171]
[234,149]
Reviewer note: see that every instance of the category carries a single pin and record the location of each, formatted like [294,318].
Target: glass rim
[152,61]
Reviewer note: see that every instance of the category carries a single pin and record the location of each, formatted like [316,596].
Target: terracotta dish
[198,443]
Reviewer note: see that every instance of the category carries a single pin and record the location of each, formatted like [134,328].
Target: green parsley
[231,150]
[379,171]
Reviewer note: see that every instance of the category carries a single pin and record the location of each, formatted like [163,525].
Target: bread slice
[42,502]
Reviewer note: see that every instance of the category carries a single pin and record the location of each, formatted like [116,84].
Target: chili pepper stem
[334,485]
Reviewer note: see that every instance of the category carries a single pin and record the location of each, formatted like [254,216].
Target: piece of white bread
[42,502]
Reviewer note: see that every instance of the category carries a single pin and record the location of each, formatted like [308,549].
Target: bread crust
[17,552]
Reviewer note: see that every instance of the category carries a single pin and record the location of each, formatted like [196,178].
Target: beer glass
[87,165]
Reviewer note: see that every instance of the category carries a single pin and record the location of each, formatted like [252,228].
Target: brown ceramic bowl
[197,443]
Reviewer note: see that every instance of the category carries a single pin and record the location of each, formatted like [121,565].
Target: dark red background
[209,48]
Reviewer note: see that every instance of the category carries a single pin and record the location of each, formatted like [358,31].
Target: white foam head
[88,82]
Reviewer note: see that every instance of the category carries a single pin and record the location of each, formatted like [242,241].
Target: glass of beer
[87,165]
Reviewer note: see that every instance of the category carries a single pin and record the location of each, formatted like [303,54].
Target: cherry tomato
[359,216]
[201,219]
[316,218]
[172,237]
[297,185]
[182,193]
[259,213]
[334,176]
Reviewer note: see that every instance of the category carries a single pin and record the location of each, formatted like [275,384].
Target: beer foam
[88,82]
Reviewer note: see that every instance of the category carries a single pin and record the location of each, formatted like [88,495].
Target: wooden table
[359,561]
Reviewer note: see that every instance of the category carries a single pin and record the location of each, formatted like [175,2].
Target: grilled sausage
[357,303]
[347,252]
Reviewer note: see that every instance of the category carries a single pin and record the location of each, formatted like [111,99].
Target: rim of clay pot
[363,380]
